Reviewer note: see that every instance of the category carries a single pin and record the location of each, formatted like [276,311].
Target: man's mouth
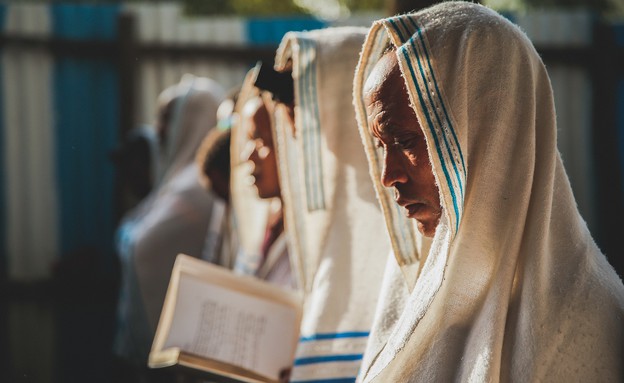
[416,210]
[412,209]
[403,202]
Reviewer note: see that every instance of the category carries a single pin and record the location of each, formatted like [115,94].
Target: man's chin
[427,228]
[258,190]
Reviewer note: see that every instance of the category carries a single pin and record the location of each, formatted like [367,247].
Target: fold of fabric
[249,212]
[336,231]
[513,287]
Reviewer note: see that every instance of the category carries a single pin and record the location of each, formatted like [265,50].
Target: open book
[225,327]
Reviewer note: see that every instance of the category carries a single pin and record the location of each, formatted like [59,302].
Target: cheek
[418,158]
[271,163]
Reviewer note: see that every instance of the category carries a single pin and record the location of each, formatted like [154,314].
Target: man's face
[262,153]
[395,126]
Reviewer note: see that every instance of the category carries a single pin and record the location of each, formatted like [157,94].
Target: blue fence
[269,31]
[86,108]
[86,104]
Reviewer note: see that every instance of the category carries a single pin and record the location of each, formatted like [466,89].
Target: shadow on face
[262,154]
[406,166]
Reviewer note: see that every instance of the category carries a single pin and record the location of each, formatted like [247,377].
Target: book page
[232,327]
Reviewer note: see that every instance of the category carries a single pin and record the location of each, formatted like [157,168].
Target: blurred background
[77,76]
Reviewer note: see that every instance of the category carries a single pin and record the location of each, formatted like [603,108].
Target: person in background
[274,264]
[172,219]
[213,160]
[332,216]
[136,160]
[457,117]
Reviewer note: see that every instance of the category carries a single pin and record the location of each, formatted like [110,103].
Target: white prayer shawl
[173,219]
[249,212]
[338,245]
[514,288]
[219,245]
[276,267]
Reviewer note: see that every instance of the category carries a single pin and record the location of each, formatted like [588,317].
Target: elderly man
[457,117]
[275,263]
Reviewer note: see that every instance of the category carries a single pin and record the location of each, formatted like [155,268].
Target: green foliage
[243,7]
[363,5]
[211,7]
[605,7]
[267,7]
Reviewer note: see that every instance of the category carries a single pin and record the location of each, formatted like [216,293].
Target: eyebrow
[378,120]
[390,129]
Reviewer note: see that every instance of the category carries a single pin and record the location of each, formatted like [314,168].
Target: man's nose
[393,169]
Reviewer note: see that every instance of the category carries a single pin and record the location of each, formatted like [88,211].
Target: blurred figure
[136,161]
[173,219]
[213,155]
[213,160]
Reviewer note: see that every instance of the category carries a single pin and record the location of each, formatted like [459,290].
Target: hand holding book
[229,326]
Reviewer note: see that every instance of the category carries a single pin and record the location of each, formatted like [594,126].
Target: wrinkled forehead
[385,77]
[385,86]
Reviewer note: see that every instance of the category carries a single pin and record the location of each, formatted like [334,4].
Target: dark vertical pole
[607,171]
[127,66]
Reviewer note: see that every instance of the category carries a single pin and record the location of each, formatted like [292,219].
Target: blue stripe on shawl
[439,97]
[446,144]
[327,359]
[334,335]
[318,159]
[304,99]
[311,129]
[435,82]
[430,123]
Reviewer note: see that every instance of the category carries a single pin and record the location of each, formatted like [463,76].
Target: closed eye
[406,143]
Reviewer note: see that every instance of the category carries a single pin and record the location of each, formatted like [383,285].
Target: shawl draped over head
[513,287]
[173,219]
[249,212]
[338,245]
